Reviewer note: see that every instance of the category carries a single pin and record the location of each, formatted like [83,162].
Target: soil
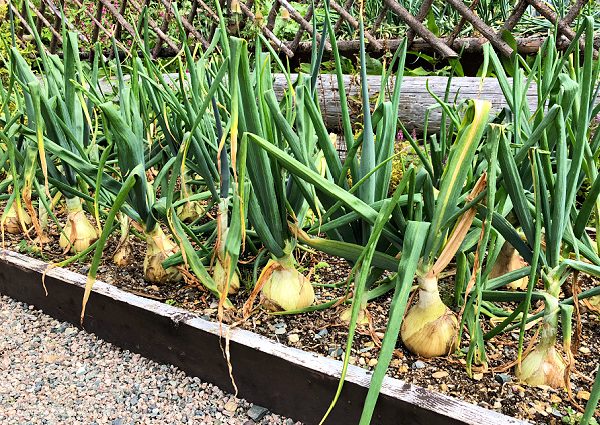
[322,332]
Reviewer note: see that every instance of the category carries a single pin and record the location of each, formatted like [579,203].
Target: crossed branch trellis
[47,14]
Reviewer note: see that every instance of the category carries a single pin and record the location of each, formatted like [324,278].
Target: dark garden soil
[322,332]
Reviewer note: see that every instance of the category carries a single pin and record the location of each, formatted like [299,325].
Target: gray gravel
[53,373]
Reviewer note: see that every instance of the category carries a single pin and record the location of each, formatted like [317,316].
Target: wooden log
[415,99]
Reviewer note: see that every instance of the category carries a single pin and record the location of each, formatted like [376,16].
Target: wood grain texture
[287,380]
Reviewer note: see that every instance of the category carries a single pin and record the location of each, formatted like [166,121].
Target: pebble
[418,365]
[439,375]
[293,338]
[322,333]
[583,395]
[256,412]
[71,377]
[502,378]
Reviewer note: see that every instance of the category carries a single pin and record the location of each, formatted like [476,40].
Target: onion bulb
[508,261]
[123,256]
[78,233]
[430,327]
[220,278]
[543,366]
[286,288]
[346,315]
[190,211]
[12,222]
[159,248]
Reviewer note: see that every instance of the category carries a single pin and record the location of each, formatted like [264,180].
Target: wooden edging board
[286,380]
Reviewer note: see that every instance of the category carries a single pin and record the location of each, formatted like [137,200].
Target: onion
[123,256]
[220,278]
[190,211]
[508,261]
[78,233]
[286,288]
[543,366]
[430,327]
[159,248]
[12,222]
[346,315]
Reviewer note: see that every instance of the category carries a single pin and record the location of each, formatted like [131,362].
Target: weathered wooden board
[415,98]
[288,381]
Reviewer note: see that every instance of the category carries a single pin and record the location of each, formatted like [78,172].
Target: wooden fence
[119,19]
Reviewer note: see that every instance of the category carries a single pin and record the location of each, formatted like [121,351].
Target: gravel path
[52,373]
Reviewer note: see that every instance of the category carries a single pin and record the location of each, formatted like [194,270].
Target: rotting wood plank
[287,380]
[415,98]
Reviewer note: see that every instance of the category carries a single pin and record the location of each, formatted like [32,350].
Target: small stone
[583,395]
[81,371]
[418,365]
[584,350]
[478,376]
[444,388]
[322,333]
[231,406]
[555,399]
[439,375]
[256,413]
[497,405]
[372,362]
[362,361]
[502,378]
[293,338]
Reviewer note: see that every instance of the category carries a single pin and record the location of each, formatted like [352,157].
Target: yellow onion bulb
[159,247]
[286,288]
[508,261]
[430,328]
[190,211]
[220,278]
[346,315]
[123,256]
[543,366]
[78,233]
[12,222]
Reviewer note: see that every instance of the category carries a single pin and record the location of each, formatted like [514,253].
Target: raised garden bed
[287,380]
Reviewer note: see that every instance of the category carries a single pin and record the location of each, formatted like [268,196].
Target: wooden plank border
[287,380]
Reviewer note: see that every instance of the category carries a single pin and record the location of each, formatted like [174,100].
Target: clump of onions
[430,327]
[12,222]
[544,365]
[159,248]
[78,233]
[508,261]
[285,288]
